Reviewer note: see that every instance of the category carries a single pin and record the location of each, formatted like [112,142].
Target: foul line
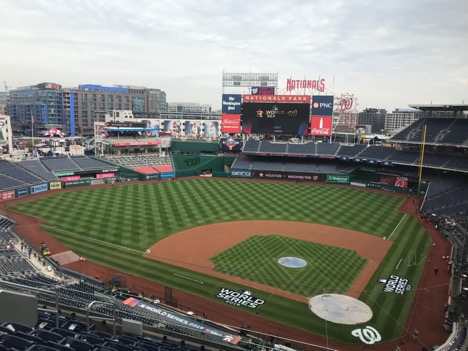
[95,240]
[398,265]
[183,276]
[397,227]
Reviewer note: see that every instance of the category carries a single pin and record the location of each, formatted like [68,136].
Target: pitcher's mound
[340,309]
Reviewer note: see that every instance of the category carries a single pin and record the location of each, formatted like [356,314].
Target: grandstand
[79,295]
[444,202]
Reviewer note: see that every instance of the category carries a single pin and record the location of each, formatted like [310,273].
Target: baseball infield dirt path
[427,313]
[193,248]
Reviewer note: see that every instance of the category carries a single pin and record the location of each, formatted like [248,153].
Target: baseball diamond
[116,225]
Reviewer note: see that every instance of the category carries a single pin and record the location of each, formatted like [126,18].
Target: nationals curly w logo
[367,335]
[191,162]
[346,104]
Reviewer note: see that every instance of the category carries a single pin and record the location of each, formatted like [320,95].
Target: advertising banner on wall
[192,128]
[23,192]
[296,176]
[70,178]
[182,320]
[275,117]
[322,105]
[172,127]
[105,175]
[39,188]
[231,123]
[321,125]
[241,173]
[401,182]
[231,144]
[231,103]
[263,90]
[7,195]
[211,129]
[138,143]
[55,185]
[338,179]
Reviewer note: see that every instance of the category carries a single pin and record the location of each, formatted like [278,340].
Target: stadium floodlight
[250,79]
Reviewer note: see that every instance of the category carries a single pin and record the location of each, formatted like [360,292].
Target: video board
[276,117]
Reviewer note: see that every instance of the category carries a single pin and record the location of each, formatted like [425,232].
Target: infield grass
[113,226]
[256,259]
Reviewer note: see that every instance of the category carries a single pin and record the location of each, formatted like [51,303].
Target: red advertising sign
[70,178]
[142,143]
[7,195]
[277,98]
[321,125]
[263,90]
[401,182]
[105,175]
[230,123]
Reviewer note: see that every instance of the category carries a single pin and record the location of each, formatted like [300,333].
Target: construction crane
[6,86]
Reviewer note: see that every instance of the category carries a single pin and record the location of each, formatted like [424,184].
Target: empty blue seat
[118,346]
[64,332]
[15,342]
[48,335]
[17,327]
[79,345]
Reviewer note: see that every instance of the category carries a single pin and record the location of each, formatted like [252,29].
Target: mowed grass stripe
[256,258]
[139,215]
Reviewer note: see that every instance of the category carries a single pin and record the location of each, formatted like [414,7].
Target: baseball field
[123,227]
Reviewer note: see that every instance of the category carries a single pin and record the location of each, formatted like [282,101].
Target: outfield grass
[113,226]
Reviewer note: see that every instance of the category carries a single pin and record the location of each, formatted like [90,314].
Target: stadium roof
[442,107]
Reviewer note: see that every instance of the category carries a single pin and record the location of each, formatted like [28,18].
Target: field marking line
[96,240]
[398,265]
[183,276]
[394,230]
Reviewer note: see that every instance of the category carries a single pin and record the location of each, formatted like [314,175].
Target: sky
[389,54]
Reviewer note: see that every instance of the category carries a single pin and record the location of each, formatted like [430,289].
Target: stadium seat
[14,342]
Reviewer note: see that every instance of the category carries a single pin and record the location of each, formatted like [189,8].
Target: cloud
[388,53]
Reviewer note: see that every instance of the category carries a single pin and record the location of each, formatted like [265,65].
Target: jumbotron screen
[275,118]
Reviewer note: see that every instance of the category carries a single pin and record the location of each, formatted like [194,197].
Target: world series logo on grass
[240,298]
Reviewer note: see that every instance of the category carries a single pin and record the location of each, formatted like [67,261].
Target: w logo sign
[367,335]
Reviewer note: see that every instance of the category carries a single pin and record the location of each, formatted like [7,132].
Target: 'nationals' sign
[312,84]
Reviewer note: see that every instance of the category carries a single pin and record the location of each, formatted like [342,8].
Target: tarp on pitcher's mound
[340,309]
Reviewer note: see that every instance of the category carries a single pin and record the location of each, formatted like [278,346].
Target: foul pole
[421,158]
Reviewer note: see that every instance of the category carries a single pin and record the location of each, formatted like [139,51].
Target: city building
[188,107]
[4,97]
[373,117]
[41,104]
[74,110]
[345,119]
[6,139]
[399,119]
